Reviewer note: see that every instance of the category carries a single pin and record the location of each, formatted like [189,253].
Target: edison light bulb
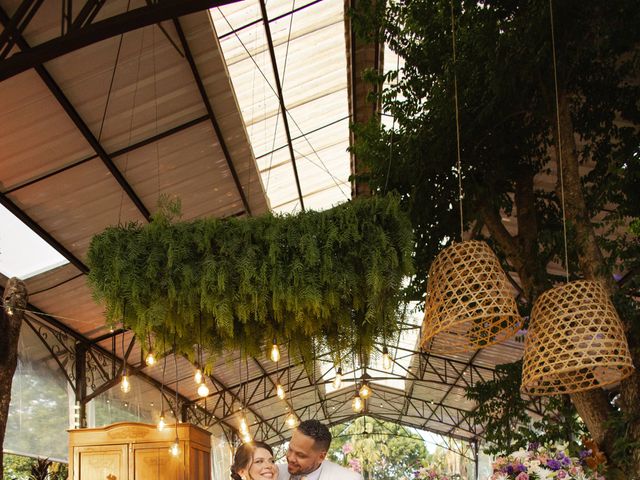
[292,420]
[244,428]
[357,405]
[386,359]
[203,390]
[246,437]
[198,376]
[365,390]
[275,352]
[150,359]
[161,423]
[338,380]
[125,385]
[280,392]
[175,448]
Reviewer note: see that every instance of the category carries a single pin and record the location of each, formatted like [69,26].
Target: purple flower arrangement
[540,463]
[432,472]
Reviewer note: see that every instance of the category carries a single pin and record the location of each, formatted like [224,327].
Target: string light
[365,390]
[292,420]
[150,359]
[125,384]
[175,447]
[275,351]
[337,382]
[357,404]
[386,359]
[244,427]
[280,392]
[198,376]
[161,423]
[203,390]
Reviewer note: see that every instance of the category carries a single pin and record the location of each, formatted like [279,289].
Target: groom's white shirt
[328,471]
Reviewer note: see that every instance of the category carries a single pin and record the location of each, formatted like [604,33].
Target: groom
[306,456]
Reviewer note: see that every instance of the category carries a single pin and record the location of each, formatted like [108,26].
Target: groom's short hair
[319,432]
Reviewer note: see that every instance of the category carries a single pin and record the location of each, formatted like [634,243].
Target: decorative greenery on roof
[332,278]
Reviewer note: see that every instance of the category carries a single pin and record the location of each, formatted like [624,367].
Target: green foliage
[504,71]
[507,419]
[331,277]
[507,116]
[385,450]
[18,467]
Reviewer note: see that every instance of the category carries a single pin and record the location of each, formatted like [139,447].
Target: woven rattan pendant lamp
[470,302]
[575,341]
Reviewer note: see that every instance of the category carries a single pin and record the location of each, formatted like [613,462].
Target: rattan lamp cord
[455,99]
[561,173]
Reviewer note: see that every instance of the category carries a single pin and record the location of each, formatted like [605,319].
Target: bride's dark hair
[244,457]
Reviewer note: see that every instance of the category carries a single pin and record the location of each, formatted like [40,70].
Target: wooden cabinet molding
[138,451]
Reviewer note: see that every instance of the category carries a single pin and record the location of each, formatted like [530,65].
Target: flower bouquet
[543,463]
[431,472]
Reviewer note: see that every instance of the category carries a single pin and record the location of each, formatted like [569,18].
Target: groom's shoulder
[345,473]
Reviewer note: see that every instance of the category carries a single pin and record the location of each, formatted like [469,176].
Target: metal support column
[81,382]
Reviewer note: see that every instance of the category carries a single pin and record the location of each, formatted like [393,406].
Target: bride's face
[263,467]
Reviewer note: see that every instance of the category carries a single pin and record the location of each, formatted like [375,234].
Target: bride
[254,461]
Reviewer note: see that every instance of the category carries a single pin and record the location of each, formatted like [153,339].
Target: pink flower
[355,465]
[522,476]
[561,474]
[347,448]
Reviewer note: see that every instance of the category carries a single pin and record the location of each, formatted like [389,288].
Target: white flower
[543,473]
[532,463]
[521,455]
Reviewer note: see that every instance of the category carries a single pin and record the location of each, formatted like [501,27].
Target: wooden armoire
[138,451]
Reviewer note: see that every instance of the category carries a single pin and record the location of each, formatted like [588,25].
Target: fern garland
[330,278]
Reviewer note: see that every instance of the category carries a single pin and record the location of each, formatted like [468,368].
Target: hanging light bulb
[125,384]
[161,423]
[9,310]
[203,390]
[246,438]
[198,376]
[174,449]
[365,390]
[292,420]
[357,404]
[244,428]
[275,351]
[150,359]
[386,359]
[280,392]
[337,382]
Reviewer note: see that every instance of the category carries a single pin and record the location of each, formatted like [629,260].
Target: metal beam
[159,11]
[117,153]
[212,117]
[77,120]
[285,120]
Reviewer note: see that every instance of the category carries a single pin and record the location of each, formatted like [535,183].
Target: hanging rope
[559,136]
[455,99]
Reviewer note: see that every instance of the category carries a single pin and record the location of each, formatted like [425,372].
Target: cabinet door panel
[199,464]
[156,463]
[107,462]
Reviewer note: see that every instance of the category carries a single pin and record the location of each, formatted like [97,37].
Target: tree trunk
[15,300]
[593,407]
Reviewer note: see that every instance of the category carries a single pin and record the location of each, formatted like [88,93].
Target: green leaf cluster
[508,418]
[332,278]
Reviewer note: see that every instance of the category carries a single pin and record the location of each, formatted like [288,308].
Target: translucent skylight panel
[235,15]
[310,51]
[23,253]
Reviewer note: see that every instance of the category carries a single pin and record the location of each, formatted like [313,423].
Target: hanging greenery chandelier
[333,277]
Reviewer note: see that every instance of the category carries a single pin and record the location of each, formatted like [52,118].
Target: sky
[23,253]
